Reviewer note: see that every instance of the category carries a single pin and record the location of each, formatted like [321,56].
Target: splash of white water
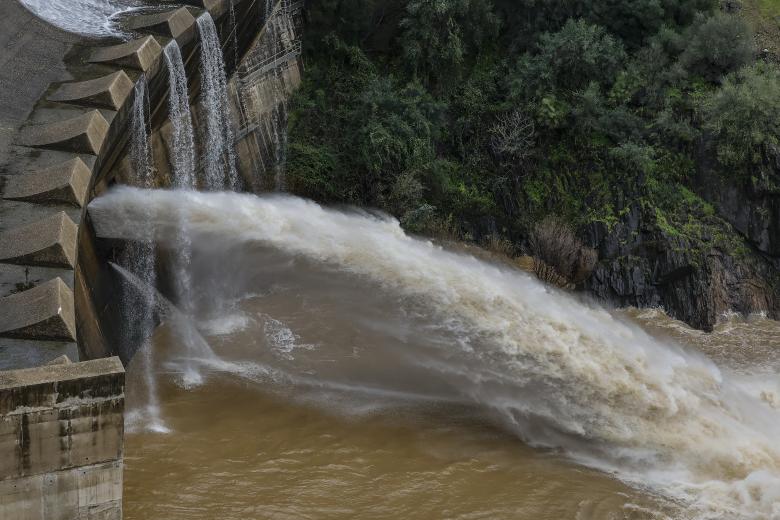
[561,373]
[197,348]
[86,17]
[219,158]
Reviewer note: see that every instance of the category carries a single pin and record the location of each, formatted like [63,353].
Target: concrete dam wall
[66,106]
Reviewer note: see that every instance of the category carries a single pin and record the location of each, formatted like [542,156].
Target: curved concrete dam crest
[66,105]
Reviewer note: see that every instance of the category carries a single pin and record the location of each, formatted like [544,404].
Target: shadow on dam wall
[66,106]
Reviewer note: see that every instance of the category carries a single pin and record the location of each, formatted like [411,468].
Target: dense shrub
[438,35]
[744,116]
[571,58]
[479,118]
[716,46]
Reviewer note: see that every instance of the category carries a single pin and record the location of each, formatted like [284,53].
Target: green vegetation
[478,118]
[770,7]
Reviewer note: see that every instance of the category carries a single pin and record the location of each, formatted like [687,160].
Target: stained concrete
[109,91]
[215,8]
[257,95]
[101,371]
[66,183]
[61,441]
[14,213]
[138,54]
[171,24]
[31,57]
[61,360]
[49,242]
[43,312]
[81,134]
[25,353]
[92,492]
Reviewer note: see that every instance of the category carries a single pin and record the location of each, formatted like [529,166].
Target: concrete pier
[84,133]
[61,441]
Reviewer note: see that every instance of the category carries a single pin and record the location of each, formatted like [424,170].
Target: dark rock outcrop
[695,277]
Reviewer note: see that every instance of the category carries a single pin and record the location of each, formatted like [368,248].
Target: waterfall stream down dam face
[97,93]
[181,340]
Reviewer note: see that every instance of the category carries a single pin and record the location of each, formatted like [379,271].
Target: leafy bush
[438,35]
[479,118]
[570,59]
[717,46]
[744,116]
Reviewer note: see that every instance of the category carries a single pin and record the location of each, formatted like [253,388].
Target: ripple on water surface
[238,453]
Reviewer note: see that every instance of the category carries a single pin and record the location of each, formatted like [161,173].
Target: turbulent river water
[353,371]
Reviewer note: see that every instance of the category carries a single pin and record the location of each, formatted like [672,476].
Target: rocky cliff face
[751,205]
[698,264]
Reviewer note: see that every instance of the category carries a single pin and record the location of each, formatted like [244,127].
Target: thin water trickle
[140,151]
[234,31]
[183,142]
[279,123]
[197,351]
[138,257]
[279,28]
[219,160]
[183,151]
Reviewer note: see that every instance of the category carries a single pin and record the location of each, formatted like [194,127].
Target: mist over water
[407,321]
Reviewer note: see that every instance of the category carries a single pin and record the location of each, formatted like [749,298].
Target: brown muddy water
[238,452]
[326,365]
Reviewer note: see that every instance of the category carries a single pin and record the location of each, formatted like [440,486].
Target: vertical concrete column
[61,441]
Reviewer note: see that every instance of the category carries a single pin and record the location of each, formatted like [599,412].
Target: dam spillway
[286,359]
[341,312]
[71,129]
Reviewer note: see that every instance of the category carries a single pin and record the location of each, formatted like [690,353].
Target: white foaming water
[561,373]
[87,17]
[226,324]
[181,120]
[219,158]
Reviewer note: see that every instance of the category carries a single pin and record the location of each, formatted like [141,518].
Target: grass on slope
[764,18]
